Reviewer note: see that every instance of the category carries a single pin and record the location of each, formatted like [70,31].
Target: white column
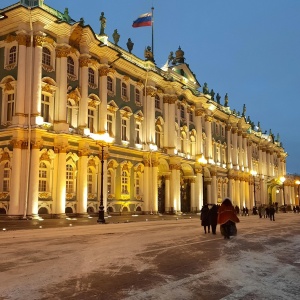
[193,195]
[84,84]
[102,117]
[171,133]
[37,78]
[154,185]
[61,180]
[245,157]
[209,153]
[82,182]
[234,151]
[14,208]
[198,125]
[214,196]
[33,195]
[61,97]
[19,117]
[146,185]
[167,193]
[240,146]
[199,189]
[229,154]
[167,116]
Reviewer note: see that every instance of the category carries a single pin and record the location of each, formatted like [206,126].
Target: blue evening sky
[248,49]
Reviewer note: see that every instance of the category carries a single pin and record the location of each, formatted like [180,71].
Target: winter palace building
[173,146]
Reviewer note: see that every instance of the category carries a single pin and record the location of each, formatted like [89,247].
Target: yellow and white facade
[174,147]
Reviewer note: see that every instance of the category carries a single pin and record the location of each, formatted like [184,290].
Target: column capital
[150,91]
[62,51]
[83,61]
[104,71]
[17,143]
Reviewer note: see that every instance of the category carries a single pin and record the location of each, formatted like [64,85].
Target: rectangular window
[138,133]
[91,117]
[110,124]
[10,107]
[45,104]
[124,130]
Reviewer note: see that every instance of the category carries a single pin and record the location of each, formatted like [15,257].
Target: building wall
[62,87]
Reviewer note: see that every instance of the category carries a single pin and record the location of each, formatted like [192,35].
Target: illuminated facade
[174,147]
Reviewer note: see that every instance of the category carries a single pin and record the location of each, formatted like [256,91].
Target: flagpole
[152,31]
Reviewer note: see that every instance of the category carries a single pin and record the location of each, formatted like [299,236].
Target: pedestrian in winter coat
[204,217]
[272,213]
[227,218]
[213,218]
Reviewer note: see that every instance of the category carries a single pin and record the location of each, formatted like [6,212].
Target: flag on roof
[143,20]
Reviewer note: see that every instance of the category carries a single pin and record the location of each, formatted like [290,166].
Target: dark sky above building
[248,49]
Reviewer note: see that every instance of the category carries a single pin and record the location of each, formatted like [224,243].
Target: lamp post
[282,179]
[103,140]
[254,173]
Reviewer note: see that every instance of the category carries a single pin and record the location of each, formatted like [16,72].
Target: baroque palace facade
[174,148]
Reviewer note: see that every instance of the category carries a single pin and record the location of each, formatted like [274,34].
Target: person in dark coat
[227,218]
[272,213]
[213,218]
[204,217]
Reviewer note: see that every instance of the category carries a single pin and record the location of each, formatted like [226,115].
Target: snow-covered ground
[153,260]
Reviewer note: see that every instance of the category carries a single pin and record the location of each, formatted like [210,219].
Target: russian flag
[143,20]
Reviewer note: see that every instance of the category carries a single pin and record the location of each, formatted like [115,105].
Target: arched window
[91,76]
[46,57]
[109,84]
[43,170]
[70,66]
[125,183]
[69,179]
[124,89]
[12,55]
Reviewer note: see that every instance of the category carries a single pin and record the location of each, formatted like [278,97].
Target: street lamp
[103,140]
[254,173]
[282,179]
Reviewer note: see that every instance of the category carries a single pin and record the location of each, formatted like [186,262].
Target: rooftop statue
[65,16]
[116,37]
[81,22]
[103,24]
[226,100]
[148,54]
[212,93]
[218,97]
[244,110]
[205,89]
[129,45]
[171,58]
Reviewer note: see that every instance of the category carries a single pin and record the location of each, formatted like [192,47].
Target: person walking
[272,213]
[204,217]
[213,218]
[227,219]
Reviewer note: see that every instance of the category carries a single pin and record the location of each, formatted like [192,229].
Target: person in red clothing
[227,218]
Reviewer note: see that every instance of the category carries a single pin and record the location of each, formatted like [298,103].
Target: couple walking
[209,218]
[225,215]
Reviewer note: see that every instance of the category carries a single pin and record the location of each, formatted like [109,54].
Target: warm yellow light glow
[282,179]
[152,147]
[202,160]
[102,137]
[253,173]
[297,181]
